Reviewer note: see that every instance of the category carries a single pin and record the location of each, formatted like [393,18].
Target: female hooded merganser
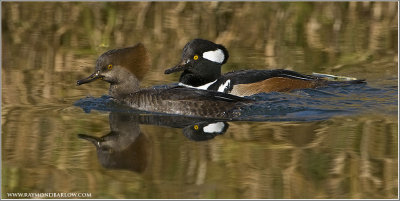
[123,68]
[201,65]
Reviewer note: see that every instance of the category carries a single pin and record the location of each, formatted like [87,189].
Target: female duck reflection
[125,147]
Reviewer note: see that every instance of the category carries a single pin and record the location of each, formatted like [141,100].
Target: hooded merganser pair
[123,68]
[201,65]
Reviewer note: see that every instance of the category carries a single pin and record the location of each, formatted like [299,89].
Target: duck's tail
[334,79]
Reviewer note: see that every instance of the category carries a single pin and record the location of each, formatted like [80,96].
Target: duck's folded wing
[250,76]
[183,93]
[249,82]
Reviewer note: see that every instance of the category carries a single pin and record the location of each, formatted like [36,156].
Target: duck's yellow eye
[109,67]
[196,127]
[195,57]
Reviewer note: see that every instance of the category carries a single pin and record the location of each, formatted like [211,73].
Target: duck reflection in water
[126,147]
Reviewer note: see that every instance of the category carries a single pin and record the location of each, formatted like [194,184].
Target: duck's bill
[177,68]
[91,78]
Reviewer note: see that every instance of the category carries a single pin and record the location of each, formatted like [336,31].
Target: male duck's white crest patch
[203,87]
[215,56]
[223,87]
[214,127]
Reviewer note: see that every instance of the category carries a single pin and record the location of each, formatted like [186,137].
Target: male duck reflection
[201,65]
[123,68]
[126,147]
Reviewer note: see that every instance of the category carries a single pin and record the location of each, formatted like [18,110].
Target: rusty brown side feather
[275,84]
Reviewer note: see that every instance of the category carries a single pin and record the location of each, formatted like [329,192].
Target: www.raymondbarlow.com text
[48,195]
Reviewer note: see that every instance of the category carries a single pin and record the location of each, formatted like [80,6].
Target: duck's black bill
[91,78]
[177,68]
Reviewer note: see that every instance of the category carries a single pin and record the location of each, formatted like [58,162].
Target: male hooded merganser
[201,65]
[123,68]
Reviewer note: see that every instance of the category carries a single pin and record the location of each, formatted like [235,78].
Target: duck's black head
[201,62]
[202,131]
[122,68]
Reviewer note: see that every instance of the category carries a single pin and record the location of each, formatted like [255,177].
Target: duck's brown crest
[135,59]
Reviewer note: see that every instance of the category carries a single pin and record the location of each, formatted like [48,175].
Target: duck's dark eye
[196,57]
[109,67]
[107,149]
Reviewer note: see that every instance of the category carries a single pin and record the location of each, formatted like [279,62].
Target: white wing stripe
[303,78]
[203,87]
[224,86]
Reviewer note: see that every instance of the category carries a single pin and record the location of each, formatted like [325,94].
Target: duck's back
[250,82]
[187,101]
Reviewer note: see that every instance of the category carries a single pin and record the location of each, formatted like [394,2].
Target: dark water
[330,142]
